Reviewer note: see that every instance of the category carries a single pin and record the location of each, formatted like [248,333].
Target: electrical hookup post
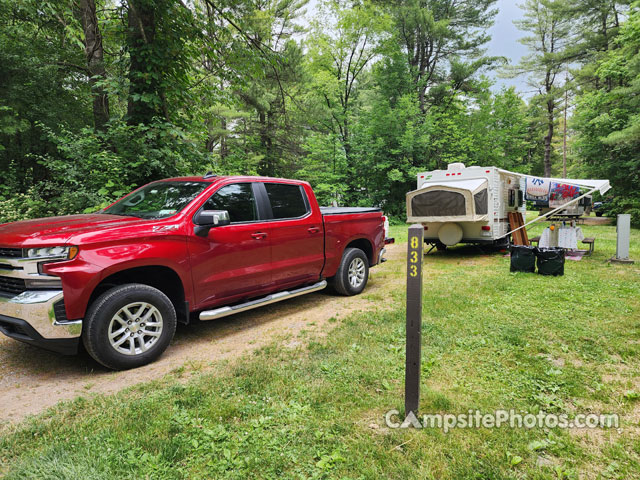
[414,320]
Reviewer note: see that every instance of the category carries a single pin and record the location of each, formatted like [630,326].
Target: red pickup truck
[175,250]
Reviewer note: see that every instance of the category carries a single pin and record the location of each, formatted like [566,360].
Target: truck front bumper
[32,307]
[30,317]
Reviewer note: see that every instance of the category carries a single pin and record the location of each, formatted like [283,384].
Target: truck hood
[59,230]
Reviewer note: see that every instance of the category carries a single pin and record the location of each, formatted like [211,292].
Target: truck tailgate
[345,225]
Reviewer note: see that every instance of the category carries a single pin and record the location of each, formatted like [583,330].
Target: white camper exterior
[466,204]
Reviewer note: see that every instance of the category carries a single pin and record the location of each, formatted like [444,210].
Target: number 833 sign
[415,252]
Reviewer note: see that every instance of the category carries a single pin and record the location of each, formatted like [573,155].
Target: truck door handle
[259,235]
[314,229]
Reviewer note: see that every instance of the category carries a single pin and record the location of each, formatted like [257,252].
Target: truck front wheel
[129,326]
[353,273]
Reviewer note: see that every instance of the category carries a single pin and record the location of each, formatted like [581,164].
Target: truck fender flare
[186,285]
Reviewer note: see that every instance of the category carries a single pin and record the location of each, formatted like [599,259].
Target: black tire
[598,214]
[340,282]
[101,315]
[502,243]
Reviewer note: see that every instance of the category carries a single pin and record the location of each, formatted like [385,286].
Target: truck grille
[11,286]
[10,252]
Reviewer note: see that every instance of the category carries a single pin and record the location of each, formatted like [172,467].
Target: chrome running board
[273,298]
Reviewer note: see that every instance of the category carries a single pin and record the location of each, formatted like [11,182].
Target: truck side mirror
[205,220]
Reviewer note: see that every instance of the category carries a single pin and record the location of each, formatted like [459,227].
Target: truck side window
[287,201]
[237,199]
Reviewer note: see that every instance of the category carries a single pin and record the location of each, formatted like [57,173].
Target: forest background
[98,97]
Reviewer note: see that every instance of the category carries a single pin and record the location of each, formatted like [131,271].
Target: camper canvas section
[465,204]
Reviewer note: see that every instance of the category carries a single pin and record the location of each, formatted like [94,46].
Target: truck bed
[343,225]
[348,210]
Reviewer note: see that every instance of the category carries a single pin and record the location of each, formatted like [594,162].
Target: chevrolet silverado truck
[171,251]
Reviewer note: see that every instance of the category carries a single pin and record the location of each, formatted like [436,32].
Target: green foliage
[31,204]
[323,168]
[393,140]
[35,88]
[548,24]
[343,43]
[442,44]
[499,125]
[90,169]
[608,123]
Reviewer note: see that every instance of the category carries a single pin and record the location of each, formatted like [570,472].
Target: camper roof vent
[455,166]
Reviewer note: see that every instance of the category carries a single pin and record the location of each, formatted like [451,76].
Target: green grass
[491,340]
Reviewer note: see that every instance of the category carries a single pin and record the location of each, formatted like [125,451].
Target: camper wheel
[504,242]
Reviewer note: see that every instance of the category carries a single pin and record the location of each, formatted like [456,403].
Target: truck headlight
[53,253]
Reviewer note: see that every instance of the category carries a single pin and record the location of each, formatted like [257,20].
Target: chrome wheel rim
[357,271]
[135,328]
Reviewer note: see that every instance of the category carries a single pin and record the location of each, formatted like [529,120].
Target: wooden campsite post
[414,319]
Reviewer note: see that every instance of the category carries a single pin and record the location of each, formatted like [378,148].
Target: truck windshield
[157,200]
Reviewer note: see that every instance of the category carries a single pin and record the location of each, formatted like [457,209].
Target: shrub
[90,169]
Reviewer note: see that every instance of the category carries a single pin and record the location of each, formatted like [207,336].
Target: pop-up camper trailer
[473,204]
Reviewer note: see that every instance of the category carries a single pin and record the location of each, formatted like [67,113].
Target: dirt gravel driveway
[32,379]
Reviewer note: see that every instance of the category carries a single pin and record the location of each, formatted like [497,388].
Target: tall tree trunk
[564,132]
[348,155]
[94,52]
[548,138]
[265,143]
[145,95]
[224,149]
[422,100]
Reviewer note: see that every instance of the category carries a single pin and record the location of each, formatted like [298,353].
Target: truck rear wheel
[353,273]
[129,326]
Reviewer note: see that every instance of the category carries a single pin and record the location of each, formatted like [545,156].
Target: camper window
[438,203]
[481,200]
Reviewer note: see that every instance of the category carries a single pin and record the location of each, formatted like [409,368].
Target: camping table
[563,237]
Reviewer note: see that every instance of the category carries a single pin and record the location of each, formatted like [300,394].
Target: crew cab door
[297,234]
[232,261]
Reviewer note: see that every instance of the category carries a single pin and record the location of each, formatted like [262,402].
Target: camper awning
[603,186]
[446,201]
